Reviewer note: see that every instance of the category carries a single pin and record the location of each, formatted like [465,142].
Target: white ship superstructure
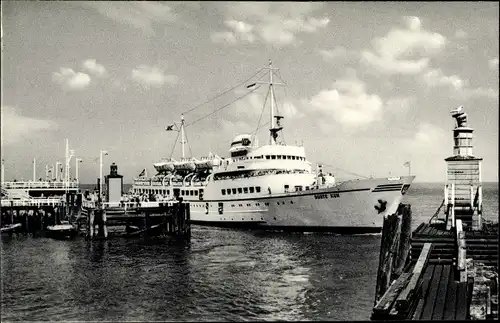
[272,186]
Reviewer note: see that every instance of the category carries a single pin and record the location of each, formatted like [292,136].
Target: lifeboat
[185,164]
[204,163]
[164,166]
[208,162]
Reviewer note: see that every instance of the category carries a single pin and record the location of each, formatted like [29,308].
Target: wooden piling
[104,224]
[404,239]
[388,248]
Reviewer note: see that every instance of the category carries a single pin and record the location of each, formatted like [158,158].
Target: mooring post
[26,222]
[11,212]
[188,221]
[390,236]
[104,224]
[91,218]
[146,223]
[404,239]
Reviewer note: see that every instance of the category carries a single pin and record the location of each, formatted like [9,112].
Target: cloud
[434,78]
[399,104]
[348,104]
[391,54]
[70,80]
[17,128]
[152,76]
[427,138]
[274,23]
[144,15]
[91,66]
[488,93]
[240,32]
[460,34]
[339,52]
[493,63]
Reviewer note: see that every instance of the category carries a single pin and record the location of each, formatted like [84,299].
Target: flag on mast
[169,128]
[407,164]
[144,173]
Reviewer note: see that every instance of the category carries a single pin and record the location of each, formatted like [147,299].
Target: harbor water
[221,275]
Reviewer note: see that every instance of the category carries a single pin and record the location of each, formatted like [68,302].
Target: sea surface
[221,275]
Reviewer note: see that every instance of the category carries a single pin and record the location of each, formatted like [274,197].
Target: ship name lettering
[334,195]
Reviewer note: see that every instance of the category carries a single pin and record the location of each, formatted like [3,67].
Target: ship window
[279,156]
[223,191]
[273,157]
[245,190]
[182,192]
[267,204]
[240,190]
[228,191]
[240,204]
[268,157]
[249,205]
[298,188]
[232,205]
[293,157]
[234,191]
[195,193]
[251,189]
[286,188]
[257,189]
[307,188]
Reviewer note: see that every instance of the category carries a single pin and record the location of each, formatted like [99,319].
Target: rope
[345,171]
[224,106]
[437,212]
[219,95]
[261,113]
[175,143]
[187,142]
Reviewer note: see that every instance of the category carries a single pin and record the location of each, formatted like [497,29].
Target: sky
[368,85]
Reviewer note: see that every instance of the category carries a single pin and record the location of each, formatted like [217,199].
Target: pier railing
[40,184]
[31,202]
[126,205]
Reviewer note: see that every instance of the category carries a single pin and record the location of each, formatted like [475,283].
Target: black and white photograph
[212,161]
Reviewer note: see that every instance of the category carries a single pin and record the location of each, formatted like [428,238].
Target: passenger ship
[273,186]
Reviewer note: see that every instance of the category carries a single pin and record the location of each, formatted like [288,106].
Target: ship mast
[179,127]
[271,90]
[182,134]
[275,127]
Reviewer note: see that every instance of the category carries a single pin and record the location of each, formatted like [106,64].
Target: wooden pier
[448,274]
[34,215]
[135,219]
